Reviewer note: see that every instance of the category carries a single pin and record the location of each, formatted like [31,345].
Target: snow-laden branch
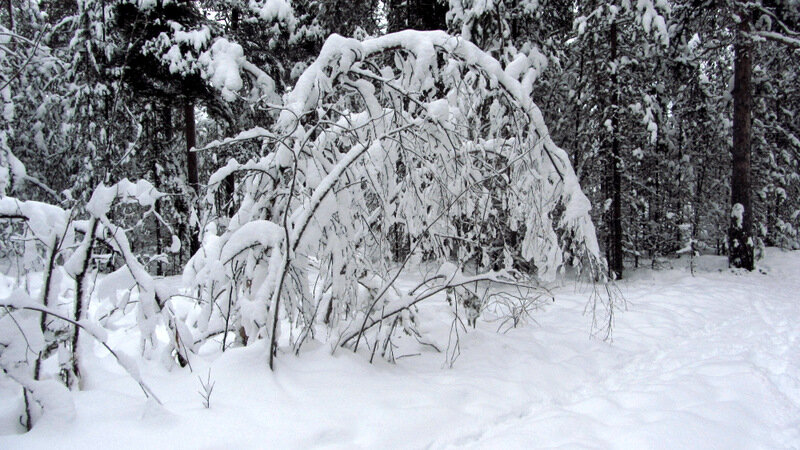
[151,306]
[43,219]
[450,278]
[408,146]
[779,37]
[340,55]
[96,332]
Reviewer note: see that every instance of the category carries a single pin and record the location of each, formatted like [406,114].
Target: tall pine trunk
[740,233]
[192,176]
[229,183]
[416,15]
[614,250]
[10,8]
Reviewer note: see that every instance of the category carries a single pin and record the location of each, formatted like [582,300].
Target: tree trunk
[10,15]
[740,233]
[192,176]
[614,250]
[71,371]
[229,183]
[416,15]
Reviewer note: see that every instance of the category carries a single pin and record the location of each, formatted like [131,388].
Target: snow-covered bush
[414,152]
[416,147]
[55,259]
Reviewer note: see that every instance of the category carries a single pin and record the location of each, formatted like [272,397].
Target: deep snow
[704,361]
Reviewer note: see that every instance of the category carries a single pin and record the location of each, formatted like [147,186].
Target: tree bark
[192,176]
[614,250]
[10,15]
[416,15]
[740,232]
[156,177]
[229,183]
[72,372]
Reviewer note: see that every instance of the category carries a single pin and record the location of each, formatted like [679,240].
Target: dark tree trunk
[229,183]
[169,138]
[416,15]
[740,233]
[52,251]
[235,14]
[166,126]
[192,176]
[614,250]
[157,223]
[71,374]
[10,15]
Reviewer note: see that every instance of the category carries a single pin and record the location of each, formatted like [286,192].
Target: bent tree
[408,151]
[57,323]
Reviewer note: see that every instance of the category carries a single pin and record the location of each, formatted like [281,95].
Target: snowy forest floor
[704,361]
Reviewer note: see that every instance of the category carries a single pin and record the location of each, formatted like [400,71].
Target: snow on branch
[99,334]
[779,37]
[152,305]
[415,147]
[43,219]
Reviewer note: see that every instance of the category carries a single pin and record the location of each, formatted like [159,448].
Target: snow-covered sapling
[391,154]
[206,388]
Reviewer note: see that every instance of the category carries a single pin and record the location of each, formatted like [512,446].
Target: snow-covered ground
[704,361]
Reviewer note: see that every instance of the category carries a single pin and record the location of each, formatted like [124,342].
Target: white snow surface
[703,361]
